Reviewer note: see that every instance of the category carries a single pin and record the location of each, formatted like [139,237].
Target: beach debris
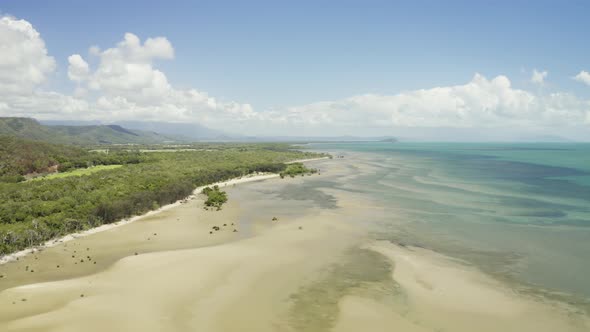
[135,254]
[24,300]
[232,223]
[300,227]
[87,249]
[2,276]
[235,230]
[155,234]
[275,219]
[81,295]
[210,232]
[81,261]
[73,256]
[216,228]
[94,262]
[58,266]
[224,225]
[26,268]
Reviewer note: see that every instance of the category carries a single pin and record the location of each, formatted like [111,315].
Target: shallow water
[519,211]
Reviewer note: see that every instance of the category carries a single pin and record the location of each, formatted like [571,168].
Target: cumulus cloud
[583,77]
[24,66]
[481,102]
[539,77]
[78,68]
[129,86]
[127,70]
[24,62]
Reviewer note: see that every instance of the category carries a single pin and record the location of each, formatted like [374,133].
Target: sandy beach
[245,179]
[314,269]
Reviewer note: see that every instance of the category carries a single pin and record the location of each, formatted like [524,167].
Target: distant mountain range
[196,132]
[80,135]
[179,131]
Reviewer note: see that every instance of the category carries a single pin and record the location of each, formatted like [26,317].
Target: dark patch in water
[363,272]
[308,192]
[543,214]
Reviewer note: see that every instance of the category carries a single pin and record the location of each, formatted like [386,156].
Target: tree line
[35,211]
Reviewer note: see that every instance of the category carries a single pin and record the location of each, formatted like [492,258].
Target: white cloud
[24,62]
[127,69]
[78,69]
[94,50]
[479,103]
[539,77]
[583,77]
[24,66]
[128,86]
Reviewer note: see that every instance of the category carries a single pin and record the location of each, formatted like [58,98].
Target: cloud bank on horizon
[123,83]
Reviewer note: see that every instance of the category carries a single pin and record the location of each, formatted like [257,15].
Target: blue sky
[273,55]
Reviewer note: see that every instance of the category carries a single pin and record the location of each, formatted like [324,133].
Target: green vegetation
[33,212]
[295,169]
[77,172]
[215,197]
[78,135]
[21,157]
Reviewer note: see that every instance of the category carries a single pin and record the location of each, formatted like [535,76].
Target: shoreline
[104,227]
[306,160]
[335,275]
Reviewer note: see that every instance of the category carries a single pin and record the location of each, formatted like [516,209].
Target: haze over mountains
[180,131]
[151,132]
[197,132]
[79,135]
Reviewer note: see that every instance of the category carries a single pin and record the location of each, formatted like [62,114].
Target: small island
[215,197]
[389,140]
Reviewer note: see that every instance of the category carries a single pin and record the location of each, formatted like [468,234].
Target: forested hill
[79,135]
[21,157]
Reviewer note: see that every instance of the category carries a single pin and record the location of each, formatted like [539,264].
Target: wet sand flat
[445,293]
[185,226]
[216,288]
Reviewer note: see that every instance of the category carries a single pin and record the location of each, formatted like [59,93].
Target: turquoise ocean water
[517,211]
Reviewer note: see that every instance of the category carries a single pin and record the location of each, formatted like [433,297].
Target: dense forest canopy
[20,157]
[32,212]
